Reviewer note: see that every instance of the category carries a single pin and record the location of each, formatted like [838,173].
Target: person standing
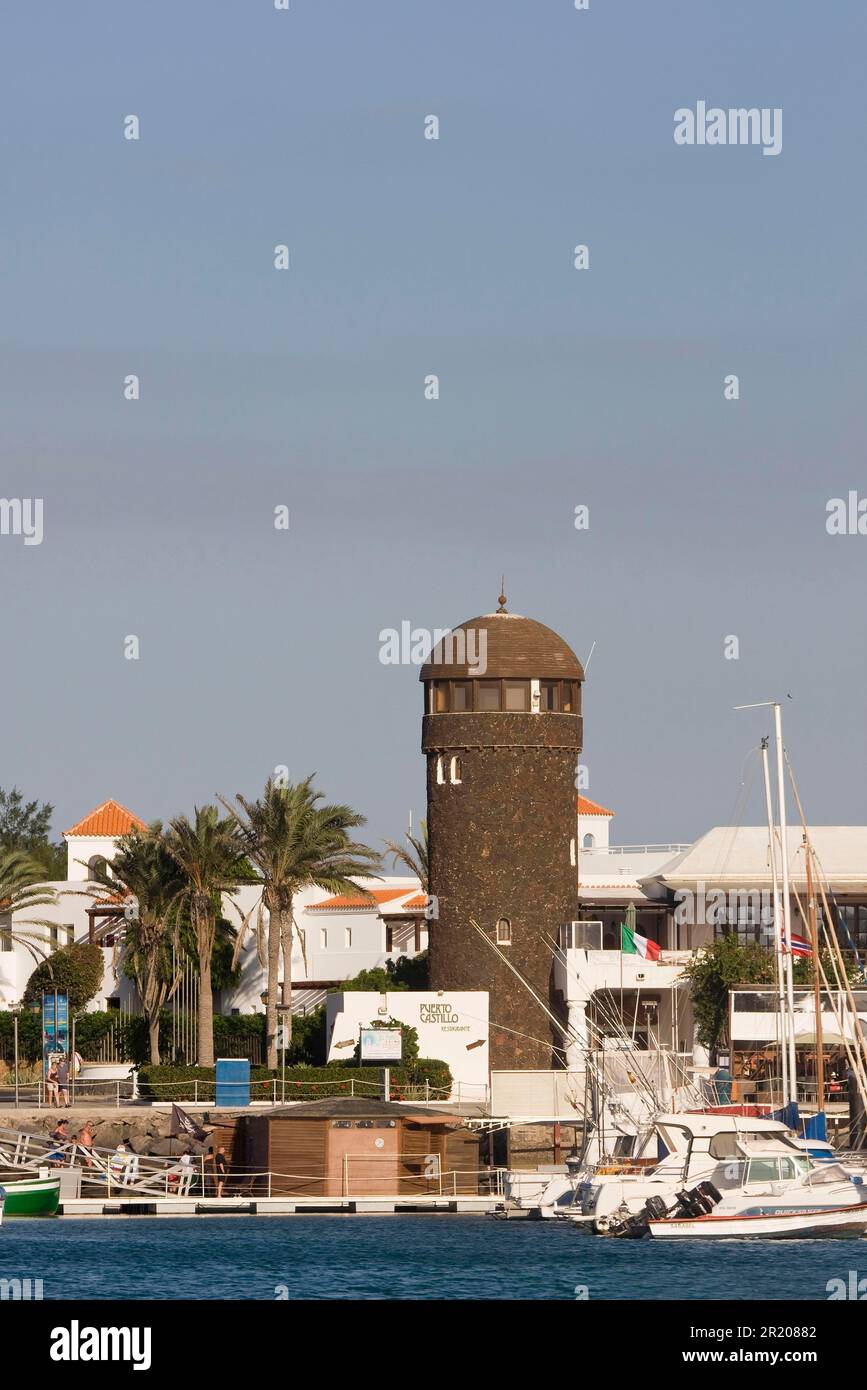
[51,1085]
[63,1082]
[221,1169]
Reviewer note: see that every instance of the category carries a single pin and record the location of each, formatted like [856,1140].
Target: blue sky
[410,257]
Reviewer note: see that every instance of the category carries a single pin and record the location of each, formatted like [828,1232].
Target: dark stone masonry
[502,823]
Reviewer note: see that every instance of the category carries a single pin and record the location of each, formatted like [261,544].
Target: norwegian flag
[800,945]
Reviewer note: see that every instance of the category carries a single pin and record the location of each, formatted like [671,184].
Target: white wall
[446,1023]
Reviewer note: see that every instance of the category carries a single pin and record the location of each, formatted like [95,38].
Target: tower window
[462,696]
[589,841]
[441,776]
[550,696]
[517,695]
[456,771]
[567,697]
[488,696]
[440,697]
[504,932]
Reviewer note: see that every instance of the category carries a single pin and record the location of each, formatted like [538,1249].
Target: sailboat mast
[817,988]
[787,903]
[778,928]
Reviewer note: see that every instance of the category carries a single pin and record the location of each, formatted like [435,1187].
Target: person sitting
[59,1136]
[84,1141]
[119,1163]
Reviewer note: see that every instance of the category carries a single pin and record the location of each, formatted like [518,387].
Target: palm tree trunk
[205,1015]
[274,933]
[286,946]
[204,928]
[154,1038]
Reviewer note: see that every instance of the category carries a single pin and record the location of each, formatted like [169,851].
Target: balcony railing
[636,849]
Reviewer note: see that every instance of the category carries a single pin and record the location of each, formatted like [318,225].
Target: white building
[335,938]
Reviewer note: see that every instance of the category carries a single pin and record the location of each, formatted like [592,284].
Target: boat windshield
[827,1172]
[771,1168]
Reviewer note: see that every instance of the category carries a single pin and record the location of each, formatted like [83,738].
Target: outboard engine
[697,1201]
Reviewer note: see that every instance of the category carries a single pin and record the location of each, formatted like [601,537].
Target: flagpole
[787,905]
[817,989]
[789,1029]
[778,927]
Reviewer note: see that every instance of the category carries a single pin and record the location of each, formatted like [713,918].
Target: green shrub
[302,1083]
[75,969]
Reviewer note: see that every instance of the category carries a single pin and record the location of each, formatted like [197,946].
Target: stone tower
[501,734]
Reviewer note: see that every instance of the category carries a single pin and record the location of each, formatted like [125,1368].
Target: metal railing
[105,1172]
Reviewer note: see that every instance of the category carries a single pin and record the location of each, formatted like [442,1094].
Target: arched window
[441,776]
[98,864]
[588,842]
[455,771]
[504,932]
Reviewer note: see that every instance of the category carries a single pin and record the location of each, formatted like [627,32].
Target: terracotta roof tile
[108,819]
[586,807]
[345,901]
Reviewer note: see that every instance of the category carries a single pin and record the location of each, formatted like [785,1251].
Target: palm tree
[144,871]
[295,843]
[210,859]
[413,855]
[22,891]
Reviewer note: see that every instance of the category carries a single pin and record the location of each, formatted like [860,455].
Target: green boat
[36,1197]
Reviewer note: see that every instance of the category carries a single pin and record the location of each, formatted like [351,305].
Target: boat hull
[791,1225]
[40,1197]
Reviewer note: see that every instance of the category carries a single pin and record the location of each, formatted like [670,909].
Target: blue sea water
[402,1257]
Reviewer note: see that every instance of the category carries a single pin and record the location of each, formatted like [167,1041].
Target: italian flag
[632,944]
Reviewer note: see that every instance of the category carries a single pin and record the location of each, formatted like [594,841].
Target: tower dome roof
[514,647]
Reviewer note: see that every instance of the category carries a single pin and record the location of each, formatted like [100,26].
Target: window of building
[389,938]
[61,936]
[441,776]
[323,938]
[462,696]
[550,696]
[567,697]
[488,695]
[348,938]
[5,926]
[517,695]
[440,697]
[456,771]
[97,865]
[589,841]
[504,932]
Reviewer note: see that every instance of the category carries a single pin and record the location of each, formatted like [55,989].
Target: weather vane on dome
[502,607]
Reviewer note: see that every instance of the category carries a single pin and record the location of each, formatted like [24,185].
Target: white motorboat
[751,1165]
[767,1192]
[765,1225]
